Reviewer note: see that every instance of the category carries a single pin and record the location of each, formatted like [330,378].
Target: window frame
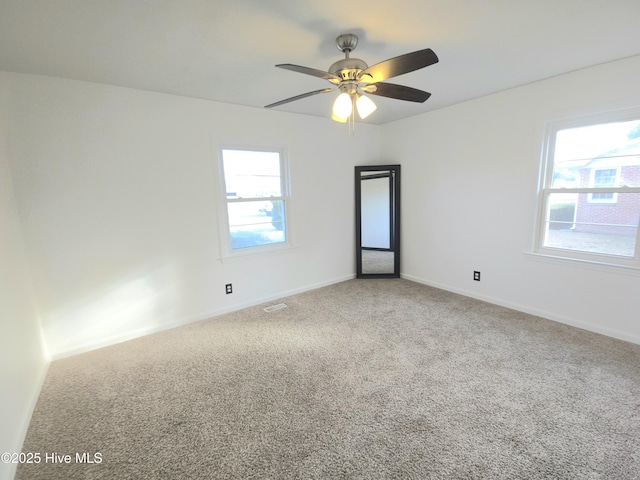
[545,191]
[226,250]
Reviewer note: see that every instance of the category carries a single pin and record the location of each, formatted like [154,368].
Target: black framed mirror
[377,221]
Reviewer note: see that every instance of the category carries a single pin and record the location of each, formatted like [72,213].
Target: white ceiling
[225,50]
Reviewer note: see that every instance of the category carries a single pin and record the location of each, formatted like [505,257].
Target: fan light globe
[338,119]
[365,106]
[342,106]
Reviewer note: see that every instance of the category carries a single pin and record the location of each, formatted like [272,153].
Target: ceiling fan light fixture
[353,77]
[365,106]
[338,119]
[342,107]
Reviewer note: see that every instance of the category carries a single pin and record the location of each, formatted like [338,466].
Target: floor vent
[273,308]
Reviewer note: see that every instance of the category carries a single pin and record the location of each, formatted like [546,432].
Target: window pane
[256,223]
[605,155]
[250,174]
[605,177]
[573,222]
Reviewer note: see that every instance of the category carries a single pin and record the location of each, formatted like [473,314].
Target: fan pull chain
[352,117]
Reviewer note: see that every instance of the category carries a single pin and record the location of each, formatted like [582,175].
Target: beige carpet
[362,379]
[376,261]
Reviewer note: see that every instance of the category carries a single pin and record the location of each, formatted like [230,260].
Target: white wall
[114,193]
[118,194]
[469,198]
[23,360]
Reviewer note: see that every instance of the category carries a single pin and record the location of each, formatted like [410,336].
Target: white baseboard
[10,472]
[609,332]
[123,337]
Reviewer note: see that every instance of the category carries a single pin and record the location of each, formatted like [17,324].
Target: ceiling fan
[353,78]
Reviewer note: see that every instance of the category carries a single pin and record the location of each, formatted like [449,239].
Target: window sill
[252,252]
[591,264]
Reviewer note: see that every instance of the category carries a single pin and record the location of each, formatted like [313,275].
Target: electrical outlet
[228,288]
[476,275]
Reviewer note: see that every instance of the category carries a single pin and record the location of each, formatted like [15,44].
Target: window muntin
[590,192]
[255,186]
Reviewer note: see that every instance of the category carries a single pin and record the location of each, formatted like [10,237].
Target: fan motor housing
[348,68]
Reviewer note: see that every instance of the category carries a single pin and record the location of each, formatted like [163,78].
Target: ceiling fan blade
[311,71]
[398,65]
[299,97]
[399,92]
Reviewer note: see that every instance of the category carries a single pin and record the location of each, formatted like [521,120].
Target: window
[590,189]
[603,178]
[256,197]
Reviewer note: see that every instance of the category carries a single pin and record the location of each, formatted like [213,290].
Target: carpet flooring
[364,379]
[376,261]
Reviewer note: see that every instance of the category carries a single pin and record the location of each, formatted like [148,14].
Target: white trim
[609,332]
[591,258]
[585,119]
[593,190]
[226,251]
[26,421]
[123,337]
[546,189]
[589,263]
[263,250]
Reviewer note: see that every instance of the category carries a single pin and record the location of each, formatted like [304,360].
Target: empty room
[248,239]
